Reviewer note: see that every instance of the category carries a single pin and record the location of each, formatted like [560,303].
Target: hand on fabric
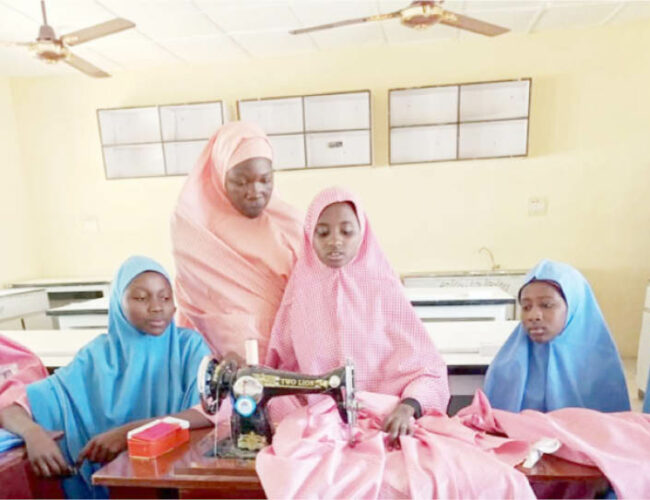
[398,423]
[44,454]
[104,447]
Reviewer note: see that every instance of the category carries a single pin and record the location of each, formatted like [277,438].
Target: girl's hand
[399,423]
[104,447]
[44,454]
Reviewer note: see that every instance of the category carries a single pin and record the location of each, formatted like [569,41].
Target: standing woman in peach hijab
[234,242]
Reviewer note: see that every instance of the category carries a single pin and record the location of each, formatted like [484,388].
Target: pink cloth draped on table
[357,312]
[231,270]
[617,443]
[310,458]
[18,367]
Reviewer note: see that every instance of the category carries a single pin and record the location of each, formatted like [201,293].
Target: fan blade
[347,22]
[83,65]
[471,24]
[14,44]
[99,30]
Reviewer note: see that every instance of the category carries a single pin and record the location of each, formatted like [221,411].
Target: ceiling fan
[50,49]
[420,14]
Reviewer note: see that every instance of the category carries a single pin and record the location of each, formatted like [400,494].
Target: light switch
[537,205]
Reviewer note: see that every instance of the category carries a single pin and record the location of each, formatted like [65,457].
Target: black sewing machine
[251,387]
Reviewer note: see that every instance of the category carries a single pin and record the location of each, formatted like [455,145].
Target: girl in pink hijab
[345,301]
[234,242]
[18,367]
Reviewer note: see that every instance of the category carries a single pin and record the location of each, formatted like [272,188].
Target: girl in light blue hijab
[562,353]
[144,367]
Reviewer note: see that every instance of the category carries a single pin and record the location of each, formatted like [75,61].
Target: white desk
[87,314]
[472,303]
[23,309]
[55,347]
[468,348]
[62,291]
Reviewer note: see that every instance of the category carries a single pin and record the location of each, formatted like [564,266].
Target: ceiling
[195,31]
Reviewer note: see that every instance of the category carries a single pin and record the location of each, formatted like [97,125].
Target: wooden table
[187,473]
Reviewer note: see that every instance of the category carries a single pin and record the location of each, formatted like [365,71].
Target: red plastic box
[155,438]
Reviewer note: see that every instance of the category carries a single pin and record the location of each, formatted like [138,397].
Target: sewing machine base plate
[226,449]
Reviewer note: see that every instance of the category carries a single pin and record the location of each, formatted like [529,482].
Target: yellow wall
[589,150]
[18,249]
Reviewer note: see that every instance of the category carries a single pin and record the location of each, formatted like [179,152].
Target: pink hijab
[18,367]
[360,312]
[230,270]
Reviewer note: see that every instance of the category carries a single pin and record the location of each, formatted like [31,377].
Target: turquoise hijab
[120,376]
[578,368]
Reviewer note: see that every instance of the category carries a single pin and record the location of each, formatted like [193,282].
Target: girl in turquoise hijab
[646,402]
[562,353]
[144,367]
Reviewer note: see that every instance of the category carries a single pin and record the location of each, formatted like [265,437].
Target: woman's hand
[399,423]
[104,447]
[44,454]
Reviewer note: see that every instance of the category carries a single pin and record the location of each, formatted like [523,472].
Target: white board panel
[493,139]
[337,111]
[129,125]
[190,121]
[180,157]
[275,116]
[494,101]
[331,149]
[424,106]
[419,144]
[144,160]
[288,151]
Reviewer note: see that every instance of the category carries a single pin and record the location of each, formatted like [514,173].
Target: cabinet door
[190,121]
[494,100]
[129,125]
[144,160]
[419,144]
[493,139]
[180,157]
[434,105]
[336,149]
[275,116]
[337,112]
[288,151]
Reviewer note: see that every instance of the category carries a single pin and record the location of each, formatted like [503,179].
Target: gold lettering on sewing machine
[268,380]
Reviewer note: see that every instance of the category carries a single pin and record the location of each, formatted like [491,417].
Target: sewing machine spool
[250,388]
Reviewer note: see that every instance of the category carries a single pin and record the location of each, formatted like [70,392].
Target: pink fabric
[359,312]
[310,458]
[617,443]
[18,367]
[231,270]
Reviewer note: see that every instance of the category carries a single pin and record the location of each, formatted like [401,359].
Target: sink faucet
[495,266]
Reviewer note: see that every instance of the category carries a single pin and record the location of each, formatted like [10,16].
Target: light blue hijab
[578,368]
[118,377]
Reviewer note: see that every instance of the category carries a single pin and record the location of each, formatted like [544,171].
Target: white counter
[55,347]
[23,309]
[61,291]
[86,314]
[477,303]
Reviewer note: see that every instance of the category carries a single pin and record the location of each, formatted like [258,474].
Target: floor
[629,365]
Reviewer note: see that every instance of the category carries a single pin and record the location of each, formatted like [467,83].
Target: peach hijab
[231,270]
